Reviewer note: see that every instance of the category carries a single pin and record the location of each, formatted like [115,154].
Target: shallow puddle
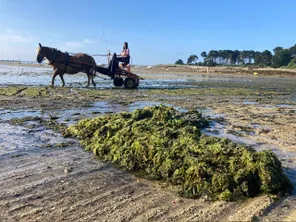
[9,114]
[286,106]
[249,103]
[17,139]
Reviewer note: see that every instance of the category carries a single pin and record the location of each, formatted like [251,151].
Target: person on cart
[124,58]
[125,55]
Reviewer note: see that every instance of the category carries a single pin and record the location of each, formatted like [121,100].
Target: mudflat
[46,177]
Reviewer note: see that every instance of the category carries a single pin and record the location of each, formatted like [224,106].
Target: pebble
[67,170]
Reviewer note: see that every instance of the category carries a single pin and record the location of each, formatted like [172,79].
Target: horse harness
[66,61]
[53,56]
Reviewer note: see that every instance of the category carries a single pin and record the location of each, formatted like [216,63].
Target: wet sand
[45,183]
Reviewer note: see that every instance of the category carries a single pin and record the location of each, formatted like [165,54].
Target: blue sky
[158,31]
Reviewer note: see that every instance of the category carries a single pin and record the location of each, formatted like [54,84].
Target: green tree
[213,55]
[292,64]
[234,57]
[281,58]
[293,50]
[192,59]
[228,57]
[267,57]
[277,49]
[221,56]
[204,55]
[258,58]
[179,62]
[263,58]
[243,56]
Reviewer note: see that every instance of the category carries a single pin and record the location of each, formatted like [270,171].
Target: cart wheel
[118,81]
[130,83]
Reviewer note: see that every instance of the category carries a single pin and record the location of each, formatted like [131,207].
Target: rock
[263,130]
[67,170]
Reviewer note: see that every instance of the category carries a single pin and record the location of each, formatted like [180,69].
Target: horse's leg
[88,79]
[92,73]
[62,78]
[54,74]
[92,81]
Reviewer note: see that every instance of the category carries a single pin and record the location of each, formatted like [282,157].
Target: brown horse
[64,63]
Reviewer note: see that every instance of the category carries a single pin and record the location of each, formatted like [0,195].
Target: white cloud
[16,44]
[89,41]
[12,36]
[19,38]
[72,45]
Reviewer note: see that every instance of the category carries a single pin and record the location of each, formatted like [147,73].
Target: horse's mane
[54,50]
[57,50]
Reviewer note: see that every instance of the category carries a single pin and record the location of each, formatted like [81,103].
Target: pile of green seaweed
[167,145]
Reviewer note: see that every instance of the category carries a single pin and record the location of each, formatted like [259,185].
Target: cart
[123,77]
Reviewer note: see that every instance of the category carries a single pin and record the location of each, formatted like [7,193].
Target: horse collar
[53,57]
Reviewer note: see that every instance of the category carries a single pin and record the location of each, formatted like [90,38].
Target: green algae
[11,91]
[165,144]
[45,92]
[50,123]
[35,92]
[22,121]
[24,91]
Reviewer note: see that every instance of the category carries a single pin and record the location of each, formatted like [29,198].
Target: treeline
[279,58]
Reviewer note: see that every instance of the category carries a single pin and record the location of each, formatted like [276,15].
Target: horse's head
[40,54]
